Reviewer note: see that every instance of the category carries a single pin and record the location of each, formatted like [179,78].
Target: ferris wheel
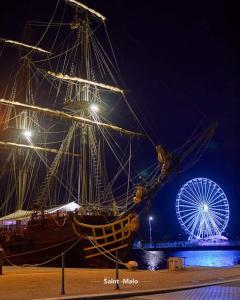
[202,209]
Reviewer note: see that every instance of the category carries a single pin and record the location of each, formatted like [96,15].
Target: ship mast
[92,178]
[78,170]
[17,125]
[23,122]
[68,163]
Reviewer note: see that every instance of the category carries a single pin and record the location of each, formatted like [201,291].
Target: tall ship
[68,183]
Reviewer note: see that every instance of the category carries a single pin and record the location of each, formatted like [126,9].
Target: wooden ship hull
[91,239]
[86,241]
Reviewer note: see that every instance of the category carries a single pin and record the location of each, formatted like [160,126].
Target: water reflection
[214,258]
[149,260]
[155,260]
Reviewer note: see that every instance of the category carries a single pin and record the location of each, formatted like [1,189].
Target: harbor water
[155,260]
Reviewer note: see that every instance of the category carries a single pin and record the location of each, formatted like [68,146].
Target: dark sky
[180,61]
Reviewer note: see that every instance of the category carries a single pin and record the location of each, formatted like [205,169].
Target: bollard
[1,260]
[63,279]
[117,272]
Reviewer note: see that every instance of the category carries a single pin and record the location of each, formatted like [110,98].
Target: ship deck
[37,283]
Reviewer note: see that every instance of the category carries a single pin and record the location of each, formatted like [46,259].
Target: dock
[188,245]
[19,283]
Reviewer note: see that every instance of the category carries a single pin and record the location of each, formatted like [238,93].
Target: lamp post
[150,218]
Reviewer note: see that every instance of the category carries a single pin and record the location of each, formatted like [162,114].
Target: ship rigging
[60,145]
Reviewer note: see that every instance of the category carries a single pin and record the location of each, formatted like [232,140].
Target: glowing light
[202,209]
[94,108]
[150,218]
[27,133]
[62,115]
[205,207]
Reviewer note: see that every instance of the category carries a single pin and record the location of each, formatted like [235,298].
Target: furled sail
[62,115]
[19,44]
[80,80]
[77,4]
[18,146]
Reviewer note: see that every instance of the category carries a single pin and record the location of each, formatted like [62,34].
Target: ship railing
[80,212]
[106,238]
[184,244]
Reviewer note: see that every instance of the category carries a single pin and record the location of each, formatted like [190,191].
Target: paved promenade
[39,283]
[228,291]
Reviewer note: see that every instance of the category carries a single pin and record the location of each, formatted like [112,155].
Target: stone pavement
[227,291]
[41,283]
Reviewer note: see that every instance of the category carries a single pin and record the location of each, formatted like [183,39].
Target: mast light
[62,115]
[27,133]
[94,108]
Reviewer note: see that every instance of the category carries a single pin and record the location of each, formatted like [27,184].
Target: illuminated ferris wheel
[202,209]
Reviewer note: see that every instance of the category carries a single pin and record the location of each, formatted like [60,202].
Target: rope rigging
[88,164]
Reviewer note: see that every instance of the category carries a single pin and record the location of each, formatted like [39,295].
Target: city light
[150,218]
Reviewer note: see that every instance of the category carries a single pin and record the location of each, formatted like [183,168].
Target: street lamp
[150,218]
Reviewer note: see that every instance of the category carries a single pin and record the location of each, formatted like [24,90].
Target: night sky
[180,63]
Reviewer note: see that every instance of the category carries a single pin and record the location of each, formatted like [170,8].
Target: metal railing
[184,244]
